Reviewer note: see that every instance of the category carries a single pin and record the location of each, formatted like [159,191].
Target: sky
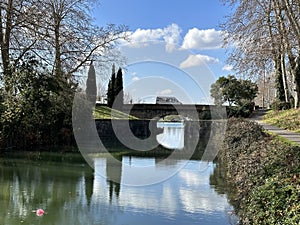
[175,47]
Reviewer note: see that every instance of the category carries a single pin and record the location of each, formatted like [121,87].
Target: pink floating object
[40,212]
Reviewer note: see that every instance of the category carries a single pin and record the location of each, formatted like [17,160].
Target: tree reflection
[27,187]
[113,174]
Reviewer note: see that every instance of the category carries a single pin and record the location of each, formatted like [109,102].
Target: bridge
[149,111]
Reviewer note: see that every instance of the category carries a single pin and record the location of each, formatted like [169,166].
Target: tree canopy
[265,37]
[233,91]
[44,46]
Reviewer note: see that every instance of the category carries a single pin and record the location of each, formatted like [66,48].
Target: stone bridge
[149,111]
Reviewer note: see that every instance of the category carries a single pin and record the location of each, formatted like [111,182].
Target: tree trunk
[279,79]
[296,78]
[284,82]
[5,39]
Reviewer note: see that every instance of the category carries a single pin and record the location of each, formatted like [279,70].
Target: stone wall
[139,128]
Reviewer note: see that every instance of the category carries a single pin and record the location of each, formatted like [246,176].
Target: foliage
[276,202]
[266,37]
[36,108]
[91,87]
[35,98]
[119,95]
[287,119]
[244,110]
[224,90]
[115,94]
[263,174]
[280,95]
[280,105]
[111,90]
[234,91]
[238,92]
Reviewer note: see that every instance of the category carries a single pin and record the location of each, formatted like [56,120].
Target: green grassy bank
[104,112]
[263,174]
[287,119]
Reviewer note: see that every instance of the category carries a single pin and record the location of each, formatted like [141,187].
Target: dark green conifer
[91,87]
[119,95]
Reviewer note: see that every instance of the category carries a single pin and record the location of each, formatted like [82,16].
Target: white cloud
[203,39]
[198,60]
[169,34]
[165,92]
[135,78]
[227,67]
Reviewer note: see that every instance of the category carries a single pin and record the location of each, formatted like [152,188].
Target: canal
[120,190]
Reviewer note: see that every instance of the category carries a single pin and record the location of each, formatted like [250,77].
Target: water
[172,136]
[171,191]
[74,194]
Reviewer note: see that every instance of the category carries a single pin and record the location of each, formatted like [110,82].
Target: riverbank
[278,123]
[286,119]
[263,174]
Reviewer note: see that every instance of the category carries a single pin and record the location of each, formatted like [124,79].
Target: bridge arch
[149,111]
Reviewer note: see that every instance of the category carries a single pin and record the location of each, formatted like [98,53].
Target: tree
[266,38]
[119,94]
[44,44]
[73,37]
[233,91]
[38,108]
[60,33]
[111,88]
[115,94]
[225,90]
[17,33]
[91,87]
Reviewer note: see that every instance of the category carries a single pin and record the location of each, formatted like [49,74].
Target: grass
[286,119]
[104,112]
[282,139]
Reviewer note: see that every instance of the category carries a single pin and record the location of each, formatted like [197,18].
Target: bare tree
[60,33]
[73,37]
[16,37]
[266,36]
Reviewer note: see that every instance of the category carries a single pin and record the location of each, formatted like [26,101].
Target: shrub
[264,174]
[279,105]
[243,110]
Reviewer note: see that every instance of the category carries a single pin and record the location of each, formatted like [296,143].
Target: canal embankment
[263,174]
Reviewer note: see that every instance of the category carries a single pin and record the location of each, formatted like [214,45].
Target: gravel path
[257,116]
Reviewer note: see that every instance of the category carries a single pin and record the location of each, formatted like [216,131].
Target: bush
[244,110]
[37,108]
[276,202]
[279,105]
[264,174]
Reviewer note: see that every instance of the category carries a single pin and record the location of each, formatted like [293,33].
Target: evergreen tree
[111,88]
[233,91]
[279,82]
[118,91]
[91,87]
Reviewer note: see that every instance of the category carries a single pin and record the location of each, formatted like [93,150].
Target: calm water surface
[74,194]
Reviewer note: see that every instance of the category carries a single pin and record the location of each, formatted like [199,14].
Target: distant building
[101,100]
[167,100]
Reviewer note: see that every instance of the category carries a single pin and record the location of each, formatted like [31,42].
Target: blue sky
[178,42]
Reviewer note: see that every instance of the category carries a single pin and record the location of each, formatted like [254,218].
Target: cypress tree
[111,88]
[119,95]
[91,87]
